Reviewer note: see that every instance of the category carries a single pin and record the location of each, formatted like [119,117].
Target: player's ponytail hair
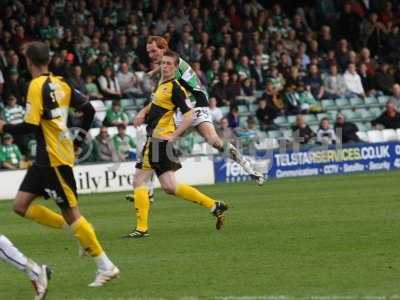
[159,40]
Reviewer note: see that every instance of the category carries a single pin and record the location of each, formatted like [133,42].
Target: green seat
[291,120]
[367,126]
[348,114]
[333,114]
[108,103]
[375,112]
[314,128]
[310,119]
[287,134]
[274,134]
[224,110]
[371,102]
[127,102]
[365,114]
[360,126]
[281,121]
[243,121]
[253,108]
[342,103]
[382,100]
[320,116]
[243,109]
[356,102]
[328,104]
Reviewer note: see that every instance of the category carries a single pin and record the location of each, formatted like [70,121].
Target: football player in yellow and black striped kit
[48,100]
[158,154]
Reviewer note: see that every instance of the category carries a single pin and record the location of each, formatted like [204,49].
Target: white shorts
[200,115]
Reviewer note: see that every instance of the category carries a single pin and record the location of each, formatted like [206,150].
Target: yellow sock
[45,216]
[188,192]
[142,206]
[86,236]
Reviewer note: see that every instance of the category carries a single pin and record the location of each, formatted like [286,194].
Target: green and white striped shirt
[14,115]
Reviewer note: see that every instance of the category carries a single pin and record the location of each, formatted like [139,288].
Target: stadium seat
[382,100]
[112,131]
[100,108]
[320,116]
[356,102]
[375,136]
[253,108]
[368,126]
[389,135]
[291,120]
[243,109]
[287,134]
[375,112]
[332,114]
[94,132]
[274,134]
[108,103]
[242,121]
[371,102]
[311,119]
[342,103]
[139,102]
[267,144]
[131,130]
[360,126]
[348,114]
[363,136]
[328,104]
[281,121]
[365,114]
[127,102]
[224,110]
[314,128]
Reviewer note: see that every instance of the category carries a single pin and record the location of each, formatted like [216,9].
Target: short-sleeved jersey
[189,80]
[48,100]
[168,96]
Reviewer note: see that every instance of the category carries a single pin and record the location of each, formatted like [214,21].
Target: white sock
[9,253]
[103,262]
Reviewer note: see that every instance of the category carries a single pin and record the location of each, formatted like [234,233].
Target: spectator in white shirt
[128,82]
[216,112]
[352,81]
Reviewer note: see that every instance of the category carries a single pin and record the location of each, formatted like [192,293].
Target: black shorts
[160,156]
[52,182]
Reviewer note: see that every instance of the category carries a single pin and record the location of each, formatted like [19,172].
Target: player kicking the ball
[38,274]
[158,154]
[201,122]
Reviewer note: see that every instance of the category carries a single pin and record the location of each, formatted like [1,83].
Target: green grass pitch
[333,236]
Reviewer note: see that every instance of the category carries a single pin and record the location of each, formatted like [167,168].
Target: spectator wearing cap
[10,155]
[109,85]
[116,115]
[389,119]
[325,133]
[346,130]
[353,82]
[302,132]
[123,143]
[104,147]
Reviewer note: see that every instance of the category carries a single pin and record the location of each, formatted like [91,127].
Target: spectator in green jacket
[10,156]
[116,115]
[123,143]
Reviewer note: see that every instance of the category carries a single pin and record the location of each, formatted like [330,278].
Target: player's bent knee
[169,189]
[19,208]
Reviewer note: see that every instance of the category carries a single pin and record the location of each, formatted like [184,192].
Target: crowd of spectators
[296,52]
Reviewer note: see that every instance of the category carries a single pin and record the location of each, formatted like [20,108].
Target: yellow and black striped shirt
[168,96]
